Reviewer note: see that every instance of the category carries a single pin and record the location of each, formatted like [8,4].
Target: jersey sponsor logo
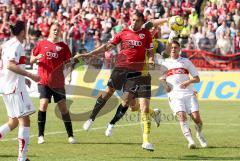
[51,55]
[177,71]
[134,43]
[141,36]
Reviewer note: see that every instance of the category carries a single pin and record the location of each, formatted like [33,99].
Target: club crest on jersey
[58,48]
[141,36]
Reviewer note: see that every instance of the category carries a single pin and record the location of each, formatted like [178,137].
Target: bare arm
[14,68]
[150,57]
[160,21]
[165,85]
[195,79]
[100,49]
[154,23]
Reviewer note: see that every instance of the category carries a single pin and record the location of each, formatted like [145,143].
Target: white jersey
[11,82]
[177,72]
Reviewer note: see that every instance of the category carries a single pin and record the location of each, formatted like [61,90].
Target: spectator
[186,7]
[75,36]
[158,9]
[204,42]
[221,29]
[193,19]
[223,44]
[236,18]
[237,43]
[175,9]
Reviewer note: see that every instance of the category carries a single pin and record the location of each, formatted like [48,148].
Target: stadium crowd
[87,24]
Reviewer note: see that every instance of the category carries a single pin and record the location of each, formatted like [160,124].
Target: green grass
[221,128]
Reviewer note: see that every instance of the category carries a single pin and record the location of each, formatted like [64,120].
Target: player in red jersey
[51,55]
[134,42]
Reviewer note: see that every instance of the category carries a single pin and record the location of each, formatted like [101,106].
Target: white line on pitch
[132,124]
[63,132]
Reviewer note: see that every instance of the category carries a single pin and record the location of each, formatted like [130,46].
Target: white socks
[198,128]
[186,131]
[23,139]
[4,129]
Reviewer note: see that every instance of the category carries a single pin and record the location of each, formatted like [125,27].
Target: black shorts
[144,83]
[46,92]
[123,79]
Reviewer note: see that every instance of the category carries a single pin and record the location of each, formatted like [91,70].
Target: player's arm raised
[154,23]
[100,49]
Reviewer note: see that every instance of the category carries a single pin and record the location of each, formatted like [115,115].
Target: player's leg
[7,127]
[184,124]
[179,108]
[127,98]
[198,126]
[133,105]
[23,137]
[45,98]
[23,109]
[101,101]
[146,123]
[193,105]
[12,121]
[154,113]
[115,82]
[59,96]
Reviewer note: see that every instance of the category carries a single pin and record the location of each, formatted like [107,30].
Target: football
[176,23]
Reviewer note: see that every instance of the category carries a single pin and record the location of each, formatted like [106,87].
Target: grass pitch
[221,128]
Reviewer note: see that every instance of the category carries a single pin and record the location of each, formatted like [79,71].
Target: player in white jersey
[13,90]
[181,93]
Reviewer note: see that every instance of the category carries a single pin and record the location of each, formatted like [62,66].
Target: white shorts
[18,104]
[188,104]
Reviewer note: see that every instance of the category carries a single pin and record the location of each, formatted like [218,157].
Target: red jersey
[50,67]
[133,48]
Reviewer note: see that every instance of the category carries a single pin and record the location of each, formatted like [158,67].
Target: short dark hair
[17,28]
[139,14]
[176,42]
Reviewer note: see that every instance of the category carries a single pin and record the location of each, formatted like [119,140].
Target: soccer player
[142,103]
[13,88]
[135,41]
[51,55]
[181,93]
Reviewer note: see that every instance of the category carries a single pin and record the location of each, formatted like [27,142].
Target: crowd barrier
[211,61]
[214,85]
